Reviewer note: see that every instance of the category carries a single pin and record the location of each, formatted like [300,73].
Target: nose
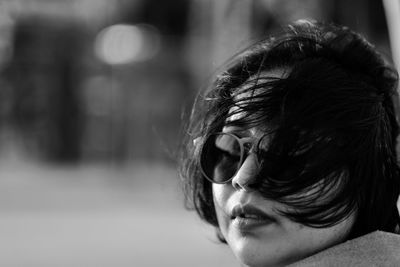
[247,173]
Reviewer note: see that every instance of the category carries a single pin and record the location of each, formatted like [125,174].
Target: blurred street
[97,216]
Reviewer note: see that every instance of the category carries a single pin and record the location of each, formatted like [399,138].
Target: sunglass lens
[220,157]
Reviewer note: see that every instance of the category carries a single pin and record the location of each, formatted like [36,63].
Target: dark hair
[330,120]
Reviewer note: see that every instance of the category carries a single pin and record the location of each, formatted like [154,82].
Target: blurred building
[44,78]
[108,81]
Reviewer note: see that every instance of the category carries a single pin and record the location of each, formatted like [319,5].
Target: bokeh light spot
[123,43]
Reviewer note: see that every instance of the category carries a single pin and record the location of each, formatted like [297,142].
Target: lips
[246,217]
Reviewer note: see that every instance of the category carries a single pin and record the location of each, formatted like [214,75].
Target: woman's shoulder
[374,249]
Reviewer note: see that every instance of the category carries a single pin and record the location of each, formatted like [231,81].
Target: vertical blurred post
[6,53]
[392,10]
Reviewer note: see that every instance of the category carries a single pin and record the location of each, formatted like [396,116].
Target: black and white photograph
[218,133]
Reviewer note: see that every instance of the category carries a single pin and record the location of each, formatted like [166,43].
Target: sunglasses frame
[244,152]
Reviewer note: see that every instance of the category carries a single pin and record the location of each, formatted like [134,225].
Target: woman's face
[257,234]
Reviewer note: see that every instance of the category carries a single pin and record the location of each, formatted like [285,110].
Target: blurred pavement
[98,216]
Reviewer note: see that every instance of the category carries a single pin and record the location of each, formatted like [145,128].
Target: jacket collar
[374,249]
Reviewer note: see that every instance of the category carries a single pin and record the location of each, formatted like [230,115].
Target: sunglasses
[223,154]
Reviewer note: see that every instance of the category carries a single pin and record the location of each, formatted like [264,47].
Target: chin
[250,254]
[262,261]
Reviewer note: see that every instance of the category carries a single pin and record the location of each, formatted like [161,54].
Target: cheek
[221,195]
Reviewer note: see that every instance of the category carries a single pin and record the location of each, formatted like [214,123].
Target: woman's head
[316,104]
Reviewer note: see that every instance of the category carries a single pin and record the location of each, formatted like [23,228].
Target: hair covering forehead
[249,91]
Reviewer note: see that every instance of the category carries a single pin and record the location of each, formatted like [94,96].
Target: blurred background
[92,94]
